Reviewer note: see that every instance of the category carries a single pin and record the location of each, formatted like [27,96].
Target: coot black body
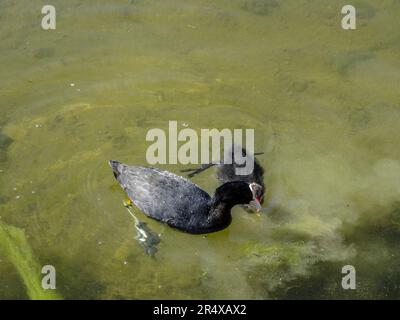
[226,172]
[180,203]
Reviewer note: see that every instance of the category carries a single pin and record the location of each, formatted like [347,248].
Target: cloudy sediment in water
[324,104]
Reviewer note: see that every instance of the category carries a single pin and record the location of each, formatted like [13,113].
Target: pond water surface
[324,103]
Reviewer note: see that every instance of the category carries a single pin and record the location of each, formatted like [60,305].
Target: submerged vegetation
[15,248]
[324,104]
[5,142]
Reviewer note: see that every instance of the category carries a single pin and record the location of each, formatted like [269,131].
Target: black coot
[180,203]
[227,172]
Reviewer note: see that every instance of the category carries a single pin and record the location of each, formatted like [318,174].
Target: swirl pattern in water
[324,104]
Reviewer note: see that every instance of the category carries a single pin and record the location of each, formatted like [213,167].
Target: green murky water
[324,103]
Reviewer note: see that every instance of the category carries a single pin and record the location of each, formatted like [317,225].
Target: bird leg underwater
[147,238]
[127,202]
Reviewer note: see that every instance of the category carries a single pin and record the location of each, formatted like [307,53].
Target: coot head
[258,197]
[258,194]
[239,192]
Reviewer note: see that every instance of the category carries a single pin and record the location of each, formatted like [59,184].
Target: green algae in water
[15,248]
[260,7]
[327,98]
[5,142]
